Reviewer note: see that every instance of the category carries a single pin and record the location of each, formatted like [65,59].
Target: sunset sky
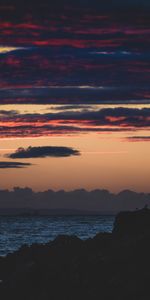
[75,76]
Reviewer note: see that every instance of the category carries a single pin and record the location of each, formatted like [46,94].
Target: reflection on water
[16,231]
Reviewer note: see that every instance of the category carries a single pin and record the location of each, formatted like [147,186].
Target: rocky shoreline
[109,266]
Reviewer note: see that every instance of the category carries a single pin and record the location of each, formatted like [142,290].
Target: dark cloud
[71,46]
[113,116]
[72,107]
[59,4]
[51,151]
[76,95]
[32,131]
[71,121]
[7,113]
[13,165]
[139,138]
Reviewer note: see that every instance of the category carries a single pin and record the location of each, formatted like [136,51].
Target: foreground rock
[109,266]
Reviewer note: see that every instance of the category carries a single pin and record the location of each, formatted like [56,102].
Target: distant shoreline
[54,213]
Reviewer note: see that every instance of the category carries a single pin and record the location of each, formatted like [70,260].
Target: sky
[75,95]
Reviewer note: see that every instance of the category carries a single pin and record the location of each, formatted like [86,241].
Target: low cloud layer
[100,201]
[51,151]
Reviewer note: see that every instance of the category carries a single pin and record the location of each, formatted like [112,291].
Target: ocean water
[16,231]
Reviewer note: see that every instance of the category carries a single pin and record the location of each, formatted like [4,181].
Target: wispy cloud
[13,165]
[5,49]
[138,138]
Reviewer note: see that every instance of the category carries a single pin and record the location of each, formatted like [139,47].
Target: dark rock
[109,266]
[132,223]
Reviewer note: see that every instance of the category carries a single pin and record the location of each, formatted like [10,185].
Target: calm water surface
[16,231]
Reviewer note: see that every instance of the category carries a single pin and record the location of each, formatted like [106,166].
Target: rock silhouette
[109,266]
[132,223]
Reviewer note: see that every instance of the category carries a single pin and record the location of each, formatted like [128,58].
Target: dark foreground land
[109,266]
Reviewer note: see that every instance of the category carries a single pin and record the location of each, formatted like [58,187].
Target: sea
[16,231]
